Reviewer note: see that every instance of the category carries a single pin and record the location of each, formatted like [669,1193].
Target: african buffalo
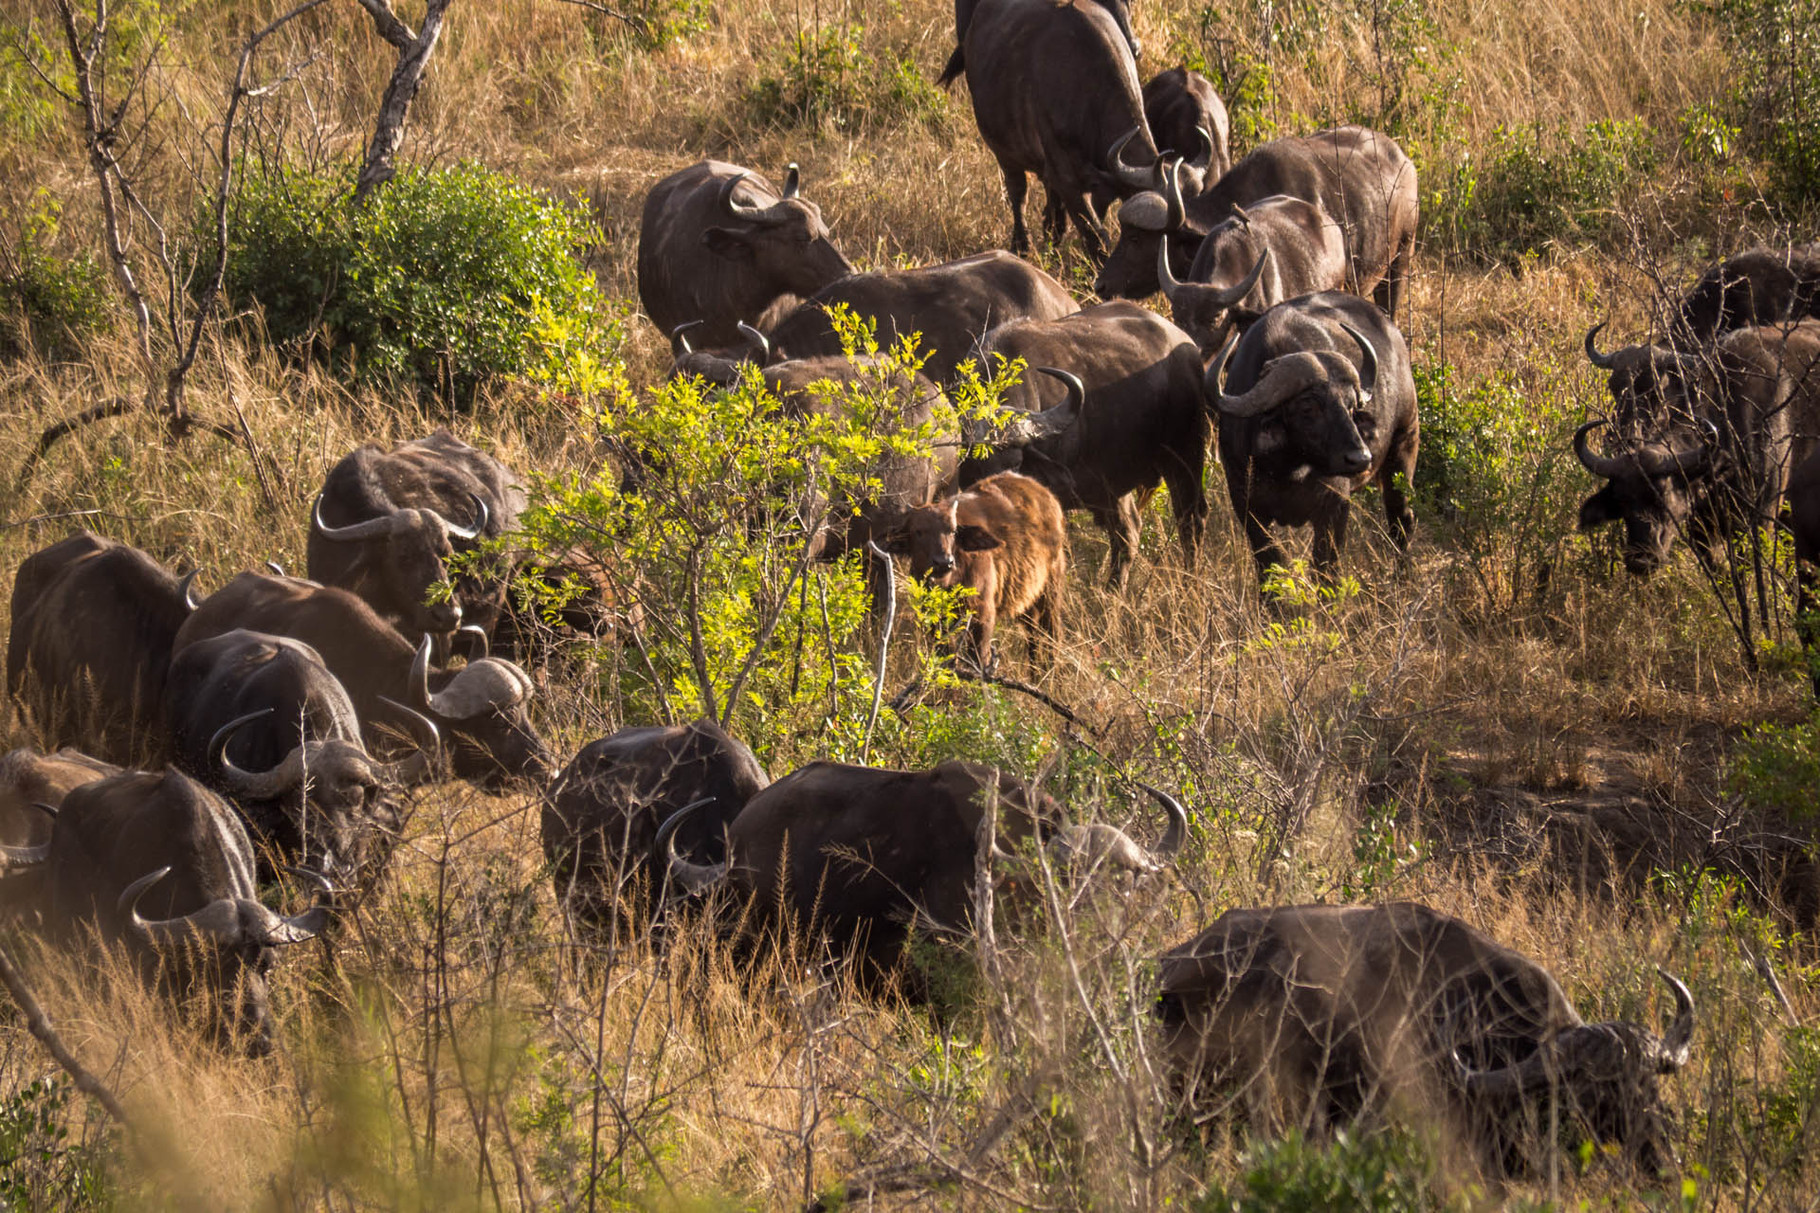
[260,719]
[720,244]
[1733,425]
[1361,179]
[861,854]
[1317,1016]
[1278,249]
[1188,118]
[30,784]
[138,844]
[1006,540]
[386,521]
[1760,287]
[92,624]
[1320,402]
[1055,92]
[602,813]
[1119,412]
[481,708]
[950,305]
[1120,11]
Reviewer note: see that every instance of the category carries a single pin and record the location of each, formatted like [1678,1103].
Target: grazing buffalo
[1361,178]
[1119,412]
[30,784]
[1761,287]
[1314,1017]
[1004,539]
[482,709]
[1732,425]
[602,813]
[261,719]
[1188,118]
[386,521]
[1055,92]
[92,625]
[860,854]
[159,863]
[1320,402]
[719,244]
[1278,249]
[950,305]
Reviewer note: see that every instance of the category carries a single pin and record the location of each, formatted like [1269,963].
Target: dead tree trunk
[414,51]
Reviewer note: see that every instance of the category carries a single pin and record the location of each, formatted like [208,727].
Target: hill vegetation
[1607,774]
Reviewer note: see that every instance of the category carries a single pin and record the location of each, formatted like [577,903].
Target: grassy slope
[457,1049]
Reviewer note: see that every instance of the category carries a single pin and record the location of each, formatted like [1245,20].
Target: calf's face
[933,537]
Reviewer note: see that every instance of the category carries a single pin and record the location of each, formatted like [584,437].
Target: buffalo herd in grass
[290,717]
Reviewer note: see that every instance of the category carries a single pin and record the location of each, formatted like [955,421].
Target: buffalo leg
[1017,188]
[1330,536]
[1188,496]
[1123,527]
[1397,477]
[1045,627]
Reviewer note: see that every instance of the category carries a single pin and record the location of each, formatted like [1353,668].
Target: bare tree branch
[39,1025]
[632,19]
[414,51]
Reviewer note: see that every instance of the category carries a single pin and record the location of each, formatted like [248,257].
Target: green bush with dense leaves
[828,75]
[1776,45]
[1383,1171]
[1539,186]
[1776,768]
[48,302]
[443,278]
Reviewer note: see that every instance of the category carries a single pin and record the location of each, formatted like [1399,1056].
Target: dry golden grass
[458,1046]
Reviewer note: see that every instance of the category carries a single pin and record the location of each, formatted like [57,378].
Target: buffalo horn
[355,531]
[759,340]
[692,877]
[1369,378]
[419,680]
[1599,465]
[1204,161]
[1164,275]
[1033,427]
[1232,295]
[25,857]
[477,636]
[1172,198]
[741,210]
[49,810]
[468,534]
[1604,362]
[187,588]
[224,921]
[679,338]
[1282,380]
[1141,179]
[479,686]
[418,766]
[276,568]
[1177,833]
[792,180]
[255,785]
[1674,1048]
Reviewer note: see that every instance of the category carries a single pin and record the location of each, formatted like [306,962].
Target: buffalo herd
[277,725]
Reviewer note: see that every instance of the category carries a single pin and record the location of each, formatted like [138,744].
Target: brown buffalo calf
[1004,538]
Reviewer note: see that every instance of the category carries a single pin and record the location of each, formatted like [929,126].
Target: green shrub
[1776,769]
[446,278]
[1540,186]
[827,75]
[1776,58]
[40,1168]
[1377,1172]
[48,302]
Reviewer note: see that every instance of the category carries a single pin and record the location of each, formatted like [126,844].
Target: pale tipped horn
[792,180]
[1135,178]
[1679,1039]
[255,785]
[418,681]
[1033,427]
[691,877]
[277,569]
[421,765]
[1231,296]
[1176,210]
[746,211]
[1205,160]
[1368,380]
[1177,832]
[1604,362]
[218,921]
[679,337]
[186,588]
[758,339]
[1282,379]
[477,635]
[1164,275]
[468,534]
[1604,466]
[353,532]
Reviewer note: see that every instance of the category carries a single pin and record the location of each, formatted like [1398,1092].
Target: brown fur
[1005,539]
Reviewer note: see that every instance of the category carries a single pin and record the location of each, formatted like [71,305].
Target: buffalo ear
[1598,510]
[728,243]
[970,538]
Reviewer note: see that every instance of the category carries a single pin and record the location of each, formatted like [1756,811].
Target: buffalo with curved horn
[1187,117]
[1318,1017]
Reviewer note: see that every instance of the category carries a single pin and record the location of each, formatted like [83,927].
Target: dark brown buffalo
[1055,92]
[30,784]
[1137,419]
[1320,402]
[1276,250]
[1188,118]
[860,854]
[386,521]
[1361,178]
[601,814]
[1120,11]
[92,624]
[482,709]
[1716,455]
[159,863]
[1314,1017]
[949,305]
[720,244]
[1004,539]
[1762,287]
[260,719]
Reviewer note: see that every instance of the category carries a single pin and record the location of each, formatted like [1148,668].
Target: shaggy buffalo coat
[1290,244]
[1361,178]
[483,707]
[1301,453]
[92,626]
[718,258]
[1006,540]
[1318,1016]
[947,305]
[1178,106]
[1141,422]
[440,497]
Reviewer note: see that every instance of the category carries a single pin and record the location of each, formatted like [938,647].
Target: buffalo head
[1144,220]
[1207,311]
[1651,487]
[1310,405]
[408,551]
[785,243]
[483,710]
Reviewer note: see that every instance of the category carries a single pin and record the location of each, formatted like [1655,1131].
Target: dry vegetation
[1543,758]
